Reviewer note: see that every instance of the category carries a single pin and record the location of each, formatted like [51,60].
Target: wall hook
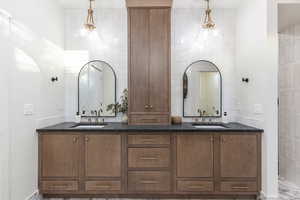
[53,79]
[246,80]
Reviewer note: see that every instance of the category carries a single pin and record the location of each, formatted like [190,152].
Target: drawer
[148,157]
[239,186]
[149,120]
[60,185]
[148,139]
[103,185]
[195,186]
[149,181]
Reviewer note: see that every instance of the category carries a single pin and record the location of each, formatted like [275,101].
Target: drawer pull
[149,158]
[149,182]
[60,186]
[240,188]
[149,120]
[148,140]
[75,139]
[196,187]
[103,186]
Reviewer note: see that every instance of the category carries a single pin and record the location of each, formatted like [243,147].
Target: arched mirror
[96,89]
[202,90]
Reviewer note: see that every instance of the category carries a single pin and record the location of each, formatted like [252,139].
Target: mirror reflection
[96,89]
[202,90]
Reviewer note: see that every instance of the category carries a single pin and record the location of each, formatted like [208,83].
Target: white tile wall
[189,43]
[31,53]
[289,110]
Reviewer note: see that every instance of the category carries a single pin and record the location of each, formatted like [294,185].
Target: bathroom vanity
[167,161]
[149,158]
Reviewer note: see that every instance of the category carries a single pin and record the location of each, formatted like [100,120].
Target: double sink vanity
[167,161]
[148,156]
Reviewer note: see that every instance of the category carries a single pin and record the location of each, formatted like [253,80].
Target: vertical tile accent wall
[289,108]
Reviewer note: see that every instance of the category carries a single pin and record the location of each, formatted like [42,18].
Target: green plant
[120,107]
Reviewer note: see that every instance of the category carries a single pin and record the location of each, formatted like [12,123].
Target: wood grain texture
[199,157]
[149,3]
[149,119]
[238,186]
[195,186]
[103,156]
[239,156]
[148,139]
[148,157]
[60,155]
[139,60]
[145,181]
[103,186]
[195,156]
[59,186]
[149,66]
[159,76]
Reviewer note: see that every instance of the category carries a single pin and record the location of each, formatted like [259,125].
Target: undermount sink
[89,126]
[210,126]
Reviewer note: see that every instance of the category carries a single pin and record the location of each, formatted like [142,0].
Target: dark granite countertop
[120,127]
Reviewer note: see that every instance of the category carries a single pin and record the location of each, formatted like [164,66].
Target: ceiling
[288,14]
[177,3]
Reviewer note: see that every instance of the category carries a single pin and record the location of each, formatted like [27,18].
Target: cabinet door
[139,60]
[194,156]
[103,156]
[239,158]
[159,75]
[60,156]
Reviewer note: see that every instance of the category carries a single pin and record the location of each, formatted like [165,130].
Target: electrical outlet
[258,109]
[28,109]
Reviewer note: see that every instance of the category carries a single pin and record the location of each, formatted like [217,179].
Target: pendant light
[90,22]
[208,22]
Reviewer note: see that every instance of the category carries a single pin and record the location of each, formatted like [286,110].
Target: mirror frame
[78,82]
[185,81]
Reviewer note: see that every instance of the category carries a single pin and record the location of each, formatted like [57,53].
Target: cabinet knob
[146,107]
[87,139]
[151,107]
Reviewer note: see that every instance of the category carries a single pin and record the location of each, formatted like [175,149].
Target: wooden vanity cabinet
[195,157]
[59,160]
[240,163]
[152,164]
[149,65]
[80,163]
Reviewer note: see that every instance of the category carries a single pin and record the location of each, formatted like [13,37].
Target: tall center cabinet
[149,27]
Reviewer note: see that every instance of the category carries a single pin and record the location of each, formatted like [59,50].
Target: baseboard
[34,196]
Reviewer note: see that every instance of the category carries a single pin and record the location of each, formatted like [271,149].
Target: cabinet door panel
[194,156]
[60,156]
[239,156]
[159,60]
[139,60]
[103,156]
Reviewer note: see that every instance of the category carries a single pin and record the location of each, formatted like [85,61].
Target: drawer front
[149,181]
[238,186]
[103,186]
[195,186]
[149,120]
[148,139]
[59,185]
[148,157]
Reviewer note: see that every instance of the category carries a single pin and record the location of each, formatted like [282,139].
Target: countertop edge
[119,128]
